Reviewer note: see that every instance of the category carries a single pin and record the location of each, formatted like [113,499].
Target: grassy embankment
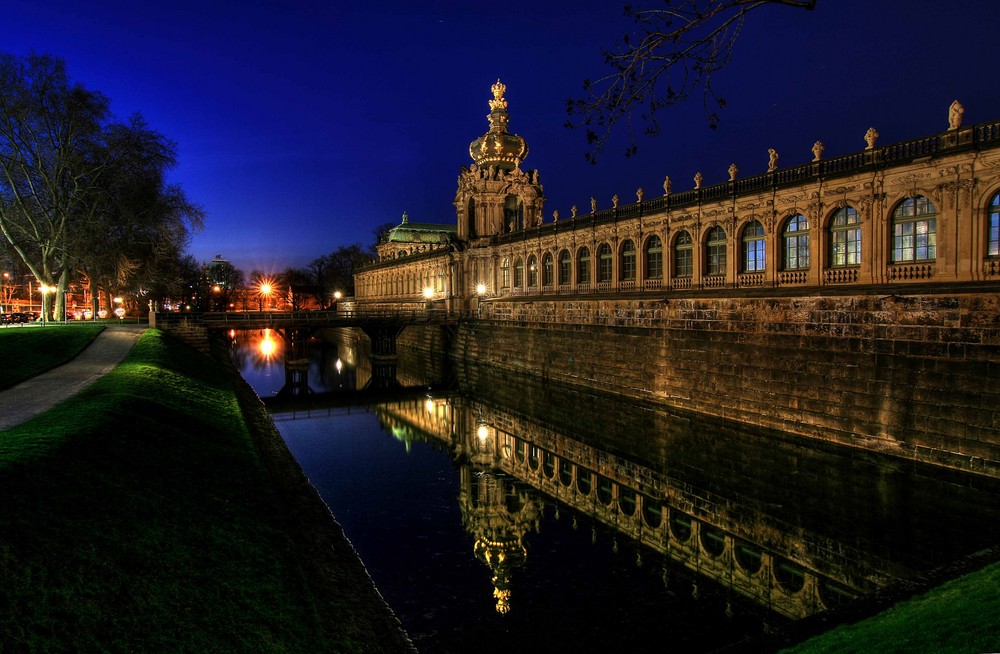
[961,616]
[29,351]
[137,516]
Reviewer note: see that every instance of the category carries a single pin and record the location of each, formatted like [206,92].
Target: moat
[529,515]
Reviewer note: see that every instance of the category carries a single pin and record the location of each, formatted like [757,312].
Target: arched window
[628,261]
[505,274]
[565,268]
[914,227]
[604,261]
[518,273]
[845,237]
[993,228]
[472,218]
[532,271]
[715,252]
[583,266]
[654,258]
[796,237]
[753,247]
[547,269]
[513,214]
[683,259]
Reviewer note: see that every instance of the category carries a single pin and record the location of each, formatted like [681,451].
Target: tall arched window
[628,261]
[583,266]
[845,237]
[914,230]
[796,237]
[547,269]
[532,271]
[715,251]
[654,258]
[505,274]
[472,218]
[754,250]
[993,228]
[683,259]
[604,262]
[565,268]
[518,273]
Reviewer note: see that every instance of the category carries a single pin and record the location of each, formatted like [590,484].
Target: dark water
[514,516]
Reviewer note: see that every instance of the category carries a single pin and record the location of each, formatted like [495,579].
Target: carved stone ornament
[572,211]
[639,193]
[593,204]
[667,185]
[555,216]
[698,177]
[955,112]
[614,201]
[870,136]
[818,150]
[772,160]
[732,172]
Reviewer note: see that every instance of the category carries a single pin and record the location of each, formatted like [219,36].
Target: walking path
[39,394]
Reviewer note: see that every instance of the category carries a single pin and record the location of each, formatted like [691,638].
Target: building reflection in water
[795,527]
[796,530]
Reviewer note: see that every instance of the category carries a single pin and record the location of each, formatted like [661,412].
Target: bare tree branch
[676,51]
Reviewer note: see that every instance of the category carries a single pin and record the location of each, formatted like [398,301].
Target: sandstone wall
[916,376]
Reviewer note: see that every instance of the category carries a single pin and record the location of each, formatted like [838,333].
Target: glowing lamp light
[268,346]
[482,432]
[337,295]
[339,365]
[428,292]
[480,289]
[265,289]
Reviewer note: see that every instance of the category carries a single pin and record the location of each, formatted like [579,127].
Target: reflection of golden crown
[498,90]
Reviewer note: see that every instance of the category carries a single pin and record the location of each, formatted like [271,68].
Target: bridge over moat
[382,326]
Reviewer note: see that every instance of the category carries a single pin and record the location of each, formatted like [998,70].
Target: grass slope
[137,517]
[29,351]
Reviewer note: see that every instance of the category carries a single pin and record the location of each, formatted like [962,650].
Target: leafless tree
[674,53]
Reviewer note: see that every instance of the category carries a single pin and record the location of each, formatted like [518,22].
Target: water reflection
[701,532]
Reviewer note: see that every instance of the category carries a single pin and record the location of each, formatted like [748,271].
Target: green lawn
[961,617]
[136,517]
[29,350]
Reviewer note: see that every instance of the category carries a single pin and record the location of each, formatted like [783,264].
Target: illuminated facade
[923,211]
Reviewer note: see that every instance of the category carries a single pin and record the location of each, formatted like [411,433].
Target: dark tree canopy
[673,53]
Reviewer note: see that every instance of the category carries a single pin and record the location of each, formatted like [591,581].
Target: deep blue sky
[301,126]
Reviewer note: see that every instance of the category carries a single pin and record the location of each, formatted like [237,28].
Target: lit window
[654,258]
[547,269]
[565,267]
[532,271]
[753,247]
[518,273]
[505,274]
[993,225]
[845,237]
[628,261]
[583,266]
[914,227]
[604,261]
[796,238]
[715,251]
[683,259]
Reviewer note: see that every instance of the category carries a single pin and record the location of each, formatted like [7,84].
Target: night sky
[301,126]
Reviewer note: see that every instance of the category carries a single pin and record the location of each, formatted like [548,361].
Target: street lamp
[45,289]
[264,290]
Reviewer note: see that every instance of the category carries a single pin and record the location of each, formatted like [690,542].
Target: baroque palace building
[922,211]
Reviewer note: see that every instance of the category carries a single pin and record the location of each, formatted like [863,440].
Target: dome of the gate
[498,147]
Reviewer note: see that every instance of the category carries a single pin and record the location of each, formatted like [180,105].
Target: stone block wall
[916,376]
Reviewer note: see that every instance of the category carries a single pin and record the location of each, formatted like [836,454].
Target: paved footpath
[39,394]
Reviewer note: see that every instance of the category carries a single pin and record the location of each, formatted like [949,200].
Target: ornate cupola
[494,195]
[498,147]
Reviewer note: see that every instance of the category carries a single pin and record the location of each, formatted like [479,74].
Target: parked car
[4,318]
[18,316]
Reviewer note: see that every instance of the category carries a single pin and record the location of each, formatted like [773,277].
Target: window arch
[472,218]
[604,262]
[628,261]
[532,271]
[754,247]
[914,227]
[683,255]
[565,268]
[845,237]
[505,273]
[583,265]
[518,273]
[993,228]
[654,257]
[547,269]
[715,251]
[796,238]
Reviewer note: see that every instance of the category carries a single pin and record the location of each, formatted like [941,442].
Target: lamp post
[45,289]
[264,291]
